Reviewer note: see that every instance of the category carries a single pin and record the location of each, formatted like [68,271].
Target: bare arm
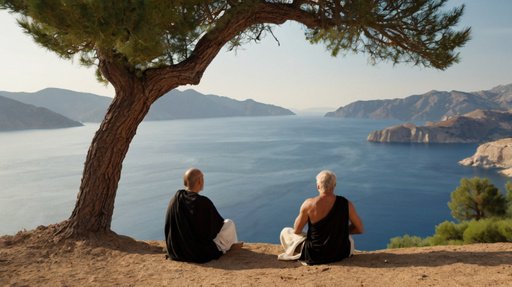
[302,218]
[356,224]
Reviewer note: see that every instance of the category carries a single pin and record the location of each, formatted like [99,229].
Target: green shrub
[505,229]
[447,233]
[451,231]
[488,231]
[406,241]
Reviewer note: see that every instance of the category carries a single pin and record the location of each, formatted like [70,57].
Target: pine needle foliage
[150,33]
[477,198]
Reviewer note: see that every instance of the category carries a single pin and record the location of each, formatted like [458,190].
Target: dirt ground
[32,258]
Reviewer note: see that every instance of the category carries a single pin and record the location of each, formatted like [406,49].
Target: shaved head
[191,177]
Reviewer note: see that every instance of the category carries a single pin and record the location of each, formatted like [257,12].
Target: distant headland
[42,108]
[431,106]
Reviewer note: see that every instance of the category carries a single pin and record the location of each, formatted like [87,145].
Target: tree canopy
[477,198]
[150,34]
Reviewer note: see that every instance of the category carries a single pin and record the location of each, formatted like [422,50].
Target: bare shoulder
[351,205]
[308,203]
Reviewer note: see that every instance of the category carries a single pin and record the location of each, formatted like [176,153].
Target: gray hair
[326,179]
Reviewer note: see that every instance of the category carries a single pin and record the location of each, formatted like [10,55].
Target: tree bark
[102,171]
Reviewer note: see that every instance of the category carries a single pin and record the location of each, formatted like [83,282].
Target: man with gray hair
[331,219]
[194,229]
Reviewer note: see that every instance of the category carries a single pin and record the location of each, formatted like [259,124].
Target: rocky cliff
[495,154]
[476,126]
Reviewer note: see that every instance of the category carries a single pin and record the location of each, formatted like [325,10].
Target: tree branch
[232,23]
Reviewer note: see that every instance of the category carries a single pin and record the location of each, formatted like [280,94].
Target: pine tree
[147,48]
[476,198]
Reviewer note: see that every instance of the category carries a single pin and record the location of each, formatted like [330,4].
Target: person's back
[330,218]
[192,222]
[327,237]
[320,206]
[194,229]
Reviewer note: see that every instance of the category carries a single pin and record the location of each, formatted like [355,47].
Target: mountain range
[86,107]
[431,106]
[192,104]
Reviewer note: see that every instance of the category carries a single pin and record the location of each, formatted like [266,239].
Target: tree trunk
[102,171]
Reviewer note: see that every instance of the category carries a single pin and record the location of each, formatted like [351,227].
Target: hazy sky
[294,74]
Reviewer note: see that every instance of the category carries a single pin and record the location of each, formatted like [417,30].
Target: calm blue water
[258,171]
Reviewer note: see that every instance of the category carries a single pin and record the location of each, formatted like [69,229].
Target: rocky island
[473,127]
[495,154]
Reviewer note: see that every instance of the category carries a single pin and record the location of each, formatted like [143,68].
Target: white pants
[226,236]
[292,244]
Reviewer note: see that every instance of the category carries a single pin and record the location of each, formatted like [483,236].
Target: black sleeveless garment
[327,240]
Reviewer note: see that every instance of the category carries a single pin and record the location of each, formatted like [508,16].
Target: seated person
[194,229]
[330,218]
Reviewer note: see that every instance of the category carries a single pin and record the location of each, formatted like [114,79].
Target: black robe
[327,240]
[191,224]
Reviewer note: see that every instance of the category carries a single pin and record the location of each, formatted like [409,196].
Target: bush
[450,230]
[505,229]
[488,231]
[448,233]
[406,241]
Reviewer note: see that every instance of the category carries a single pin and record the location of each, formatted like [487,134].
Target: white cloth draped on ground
[226,236]
[292,244]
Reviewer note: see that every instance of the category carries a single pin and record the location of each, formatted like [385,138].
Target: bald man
[194,229]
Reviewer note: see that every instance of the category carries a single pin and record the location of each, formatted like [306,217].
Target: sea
[258,171]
